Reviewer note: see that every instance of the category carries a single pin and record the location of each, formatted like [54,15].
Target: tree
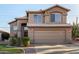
[75,31]
[5,36]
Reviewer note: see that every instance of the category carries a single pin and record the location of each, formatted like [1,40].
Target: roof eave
[57,6]
[12,22]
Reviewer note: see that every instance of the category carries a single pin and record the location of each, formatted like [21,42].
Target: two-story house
[47,26]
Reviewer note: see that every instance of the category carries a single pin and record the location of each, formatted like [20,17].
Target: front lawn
[9,50]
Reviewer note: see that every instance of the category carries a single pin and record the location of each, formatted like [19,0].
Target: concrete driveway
[53,49]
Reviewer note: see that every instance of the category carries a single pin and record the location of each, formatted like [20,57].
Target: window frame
[15,28]
[37,21]
[26,28]
[55,19]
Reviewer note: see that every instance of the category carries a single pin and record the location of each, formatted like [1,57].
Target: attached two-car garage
[52,37]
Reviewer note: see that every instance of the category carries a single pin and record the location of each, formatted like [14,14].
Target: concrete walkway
[52,49]
[30,50]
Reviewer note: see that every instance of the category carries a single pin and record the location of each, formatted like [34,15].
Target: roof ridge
[49,8]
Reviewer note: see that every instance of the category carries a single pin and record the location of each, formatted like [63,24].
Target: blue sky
[10,11]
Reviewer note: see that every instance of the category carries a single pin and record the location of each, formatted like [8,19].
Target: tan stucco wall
[12,33]
[19,22]
[22,21]
[67,33]
[31,34]
[49,28]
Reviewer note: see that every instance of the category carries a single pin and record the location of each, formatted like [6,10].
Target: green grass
[9,50]
[3,46]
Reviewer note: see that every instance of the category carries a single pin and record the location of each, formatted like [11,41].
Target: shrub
[18,42]
[25,41]
[13,41]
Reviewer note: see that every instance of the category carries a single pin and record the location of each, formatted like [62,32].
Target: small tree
[5,36]
[75,31]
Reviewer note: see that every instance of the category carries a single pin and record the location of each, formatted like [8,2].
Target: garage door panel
[49,36]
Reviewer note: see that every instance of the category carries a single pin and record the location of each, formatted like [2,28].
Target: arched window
[56,17]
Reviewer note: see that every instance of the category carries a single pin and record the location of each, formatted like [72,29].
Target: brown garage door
[50,37]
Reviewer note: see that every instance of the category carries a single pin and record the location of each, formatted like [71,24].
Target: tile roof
[18,18]
[12,21]
[23,17]
[48,9]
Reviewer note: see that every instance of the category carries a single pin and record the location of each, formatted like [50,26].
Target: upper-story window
[56,17]
[25,28]
[14,28]
[38,18]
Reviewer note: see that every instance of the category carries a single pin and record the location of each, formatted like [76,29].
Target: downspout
[17,28]
[65,36]
[33,36]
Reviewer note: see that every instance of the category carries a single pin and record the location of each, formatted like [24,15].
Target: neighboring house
[18,27]
[47,26]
